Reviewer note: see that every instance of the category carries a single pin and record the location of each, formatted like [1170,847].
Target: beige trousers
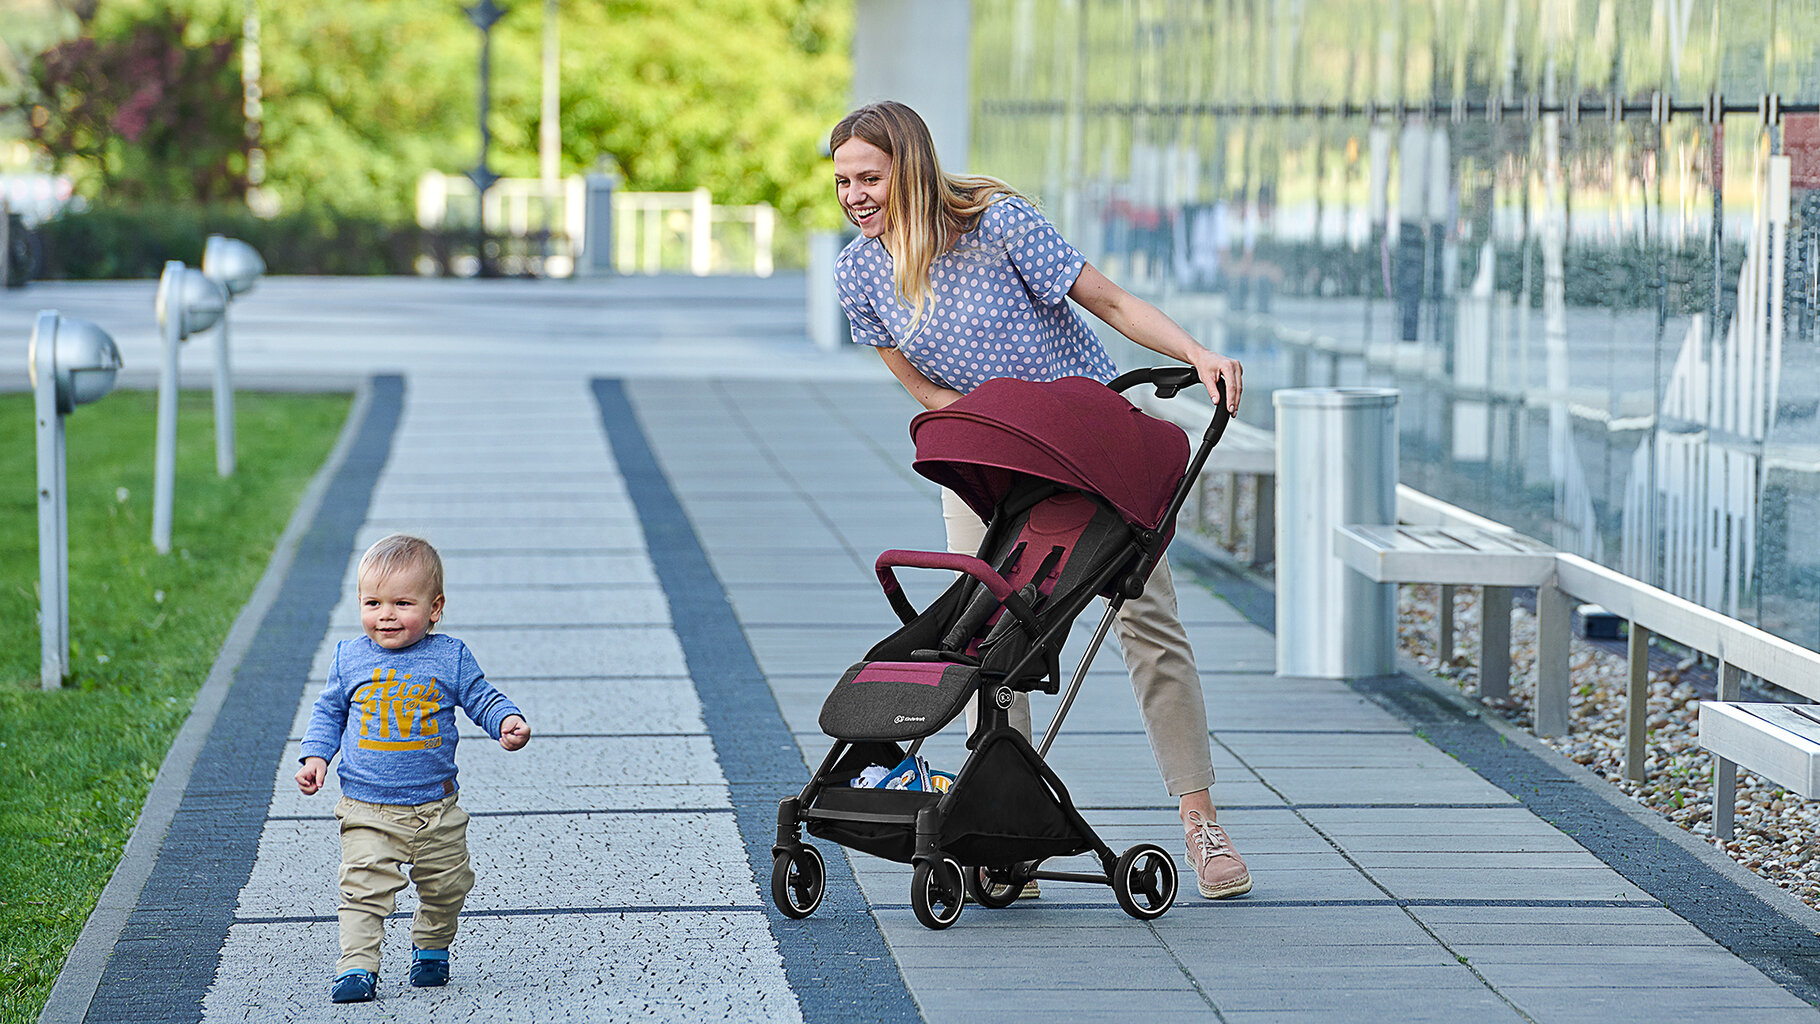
[1163,676]
[375,840]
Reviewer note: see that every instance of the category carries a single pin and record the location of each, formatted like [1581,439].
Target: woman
[958,280]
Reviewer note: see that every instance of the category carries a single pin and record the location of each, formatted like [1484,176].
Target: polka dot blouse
[998,304]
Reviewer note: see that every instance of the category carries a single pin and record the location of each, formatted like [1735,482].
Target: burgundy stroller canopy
[1075,431]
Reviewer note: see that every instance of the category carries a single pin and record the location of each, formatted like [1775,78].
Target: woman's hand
[1214,367]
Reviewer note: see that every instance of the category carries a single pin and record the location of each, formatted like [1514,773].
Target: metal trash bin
[1336,466]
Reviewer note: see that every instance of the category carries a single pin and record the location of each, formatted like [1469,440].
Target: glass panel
[1571,234]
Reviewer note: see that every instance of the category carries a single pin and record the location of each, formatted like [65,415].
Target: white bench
[1442,544]
[1780,742]
[1494,560]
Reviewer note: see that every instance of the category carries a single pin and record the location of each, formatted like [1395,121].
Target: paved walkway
[659,509]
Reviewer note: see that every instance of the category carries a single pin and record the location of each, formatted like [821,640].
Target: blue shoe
[354,985]
[429,967]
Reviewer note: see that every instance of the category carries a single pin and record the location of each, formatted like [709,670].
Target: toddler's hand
[514,732]
[312,775]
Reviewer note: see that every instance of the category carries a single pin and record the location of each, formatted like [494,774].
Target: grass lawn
[75,763]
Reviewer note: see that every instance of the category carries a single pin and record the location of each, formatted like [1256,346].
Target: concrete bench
[1780,742]
[1492,559]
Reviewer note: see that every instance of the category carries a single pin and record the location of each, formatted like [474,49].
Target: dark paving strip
[1726,911]
[166,957]
[756,751]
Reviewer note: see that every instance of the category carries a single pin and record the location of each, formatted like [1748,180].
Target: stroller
[1080,491]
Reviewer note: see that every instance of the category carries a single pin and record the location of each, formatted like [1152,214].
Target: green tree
[735,95]
[145,106]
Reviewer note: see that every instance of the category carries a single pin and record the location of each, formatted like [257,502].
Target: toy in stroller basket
[1079,490]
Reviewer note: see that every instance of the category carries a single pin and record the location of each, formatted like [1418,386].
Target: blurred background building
[1580,237]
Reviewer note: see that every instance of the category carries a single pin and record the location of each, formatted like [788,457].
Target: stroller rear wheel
[994,887]
[1144,881]
[936,892]
[798,881]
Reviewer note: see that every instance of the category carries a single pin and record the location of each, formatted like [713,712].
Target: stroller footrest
[896,700]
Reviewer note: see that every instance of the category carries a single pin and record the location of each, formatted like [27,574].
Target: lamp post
[484,15]
[187,302]
[233,265]
[71,362]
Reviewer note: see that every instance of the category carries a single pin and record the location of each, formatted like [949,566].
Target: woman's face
[862,172]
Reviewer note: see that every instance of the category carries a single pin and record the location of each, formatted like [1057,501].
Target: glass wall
[1583,239]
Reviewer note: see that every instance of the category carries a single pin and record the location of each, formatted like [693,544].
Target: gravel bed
[1775,832]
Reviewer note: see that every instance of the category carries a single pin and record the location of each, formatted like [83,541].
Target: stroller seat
[1045,543]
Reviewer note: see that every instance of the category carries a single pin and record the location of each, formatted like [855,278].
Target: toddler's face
[398,610]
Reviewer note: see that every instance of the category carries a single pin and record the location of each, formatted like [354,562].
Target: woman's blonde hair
[924,207]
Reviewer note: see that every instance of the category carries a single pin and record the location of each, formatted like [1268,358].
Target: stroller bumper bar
[974,567]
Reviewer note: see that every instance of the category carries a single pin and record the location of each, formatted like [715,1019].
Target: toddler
[389,709]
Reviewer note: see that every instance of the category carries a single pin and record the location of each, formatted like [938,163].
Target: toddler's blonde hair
[401,552]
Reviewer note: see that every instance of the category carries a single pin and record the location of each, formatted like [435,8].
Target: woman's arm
[1148,326]
[921,388]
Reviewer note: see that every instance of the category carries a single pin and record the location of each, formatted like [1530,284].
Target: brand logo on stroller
[901,719]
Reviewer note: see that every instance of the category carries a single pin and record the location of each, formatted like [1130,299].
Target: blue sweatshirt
[391,715]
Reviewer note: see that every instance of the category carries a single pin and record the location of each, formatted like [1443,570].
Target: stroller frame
[914,827]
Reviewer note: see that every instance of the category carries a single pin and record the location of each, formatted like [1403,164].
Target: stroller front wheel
[798,881]
[1144,881]
[936,892]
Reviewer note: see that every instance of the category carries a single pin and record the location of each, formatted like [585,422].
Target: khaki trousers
[1163,676]
[375,840]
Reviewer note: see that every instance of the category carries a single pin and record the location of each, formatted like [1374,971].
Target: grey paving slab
[528,862]
[507,653]
[796,568]
[1680,1003]
[430,510]
[594,533]
[692,965]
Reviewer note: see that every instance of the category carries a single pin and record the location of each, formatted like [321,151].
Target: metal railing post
[1636,709]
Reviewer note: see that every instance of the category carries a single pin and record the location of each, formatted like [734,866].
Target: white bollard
[1336,466]
[233,265]
[72,362]
[187,302]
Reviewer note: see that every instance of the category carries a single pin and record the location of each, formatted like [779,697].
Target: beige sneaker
[1217,866]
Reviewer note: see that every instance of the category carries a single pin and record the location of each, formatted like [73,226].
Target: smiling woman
[76,763]
[959,280]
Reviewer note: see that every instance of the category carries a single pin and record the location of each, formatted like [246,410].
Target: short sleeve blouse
[998,304]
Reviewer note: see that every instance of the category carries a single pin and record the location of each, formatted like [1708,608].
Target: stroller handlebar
[1166,379]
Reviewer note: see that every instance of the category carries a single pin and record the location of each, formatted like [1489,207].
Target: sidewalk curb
[80,977]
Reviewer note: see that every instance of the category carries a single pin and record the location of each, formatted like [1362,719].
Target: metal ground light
[233,265]
[188,302]
[71,362]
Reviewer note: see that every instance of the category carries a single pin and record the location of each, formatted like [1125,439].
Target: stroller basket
[1079,491]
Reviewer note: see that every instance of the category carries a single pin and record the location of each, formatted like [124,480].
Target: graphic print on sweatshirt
[398,714]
